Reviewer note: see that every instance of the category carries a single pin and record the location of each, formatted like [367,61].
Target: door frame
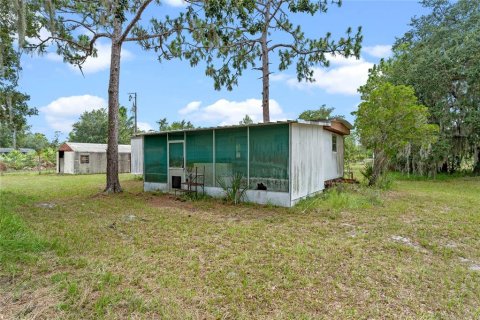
[172,170]
[184,152]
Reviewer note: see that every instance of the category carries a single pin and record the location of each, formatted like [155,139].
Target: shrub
[234,187]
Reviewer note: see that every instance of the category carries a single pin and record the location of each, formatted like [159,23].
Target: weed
[234,186]
[341,197]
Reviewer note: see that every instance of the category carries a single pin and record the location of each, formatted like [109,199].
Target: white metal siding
[137,155]
[333,161]
[306,160]
[97,163]
[68,162]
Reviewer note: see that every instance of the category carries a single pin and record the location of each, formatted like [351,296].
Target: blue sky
[174,90]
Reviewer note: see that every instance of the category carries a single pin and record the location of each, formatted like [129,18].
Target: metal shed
[81,158]
[281,162]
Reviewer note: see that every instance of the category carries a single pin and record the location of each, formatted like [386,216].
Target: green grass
[17,243]
[350,253]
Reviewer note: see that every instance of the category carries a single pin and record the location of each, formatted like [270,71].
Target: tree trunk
[265,69]
[476,160]
[379,166]
[113,183]
[14,138]
[444,168]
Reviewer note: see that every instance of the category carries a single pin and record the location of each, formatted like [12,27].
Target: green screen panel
[175,136]
[175,155]
[230,152]
[155,150]
[269,157]
[200,154]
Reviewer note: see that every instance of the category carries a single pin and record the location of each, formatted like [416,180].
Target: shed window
[334,143]
[84,159]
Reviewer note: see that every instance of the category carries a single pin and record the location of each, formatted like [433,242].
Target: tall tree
[14,108]
[248,31]
[75,27]
[389,119]
[92,127]
[14,111]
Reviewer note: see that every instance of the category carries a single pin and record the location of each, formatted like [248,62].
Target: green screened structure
[280,162]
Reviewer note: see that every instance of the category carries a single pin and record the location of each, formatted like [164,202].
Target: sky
[174,90]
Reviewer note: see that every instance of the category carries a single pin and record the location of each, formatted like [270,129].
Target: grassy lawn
[68,251]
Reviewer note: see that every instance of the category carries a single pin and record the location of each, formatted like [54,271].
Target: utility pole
[133,95]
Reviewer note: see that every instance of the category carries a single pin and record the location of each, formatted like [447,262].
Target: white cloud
[63,112]
[189,108]
[344,76]
[379,51]
[176,3]
[94,64]
[279,77]
[225,112]
[52,56]
[144,126]
[339,60]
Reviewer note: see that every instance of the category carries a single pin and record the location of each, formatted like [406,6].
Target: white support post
[213,168]
[248,157]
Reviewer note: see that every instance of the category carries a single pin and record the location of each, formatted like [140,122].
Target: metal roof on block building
[324,123]
[92,147]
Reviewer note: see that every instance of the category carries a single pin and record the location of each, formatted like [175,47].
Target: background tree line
[434,73]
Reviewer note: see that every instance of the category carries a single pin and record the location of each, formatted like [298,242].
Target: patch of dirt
[472,265]
[393,195]
[32,304]
[171,201]
[47,205]
[408,242]
[214,208]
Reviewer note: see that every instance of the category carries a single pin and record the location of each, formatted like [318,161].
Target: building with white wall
[280,162]
[89,158]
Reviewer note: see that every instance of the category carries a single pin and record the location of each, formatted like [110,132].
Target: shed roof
[324,123]
[92,147]
[22,150]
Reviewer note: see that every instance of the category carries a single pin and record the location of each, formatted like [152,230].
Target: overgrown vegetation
[92,127]
[389,119]
[234,185]
[411,252]
[16,160]
[341,197]
[439,57]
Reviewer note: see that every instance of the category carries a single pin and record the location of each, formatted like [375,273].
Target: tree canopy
[390,119]
[164,125]
[92,127]
[439,57]
[14,108]
[322,113]
[247,33]
[246,120]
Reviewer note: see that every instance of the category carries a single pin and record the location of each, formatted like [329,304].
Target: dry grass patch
[144,255]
